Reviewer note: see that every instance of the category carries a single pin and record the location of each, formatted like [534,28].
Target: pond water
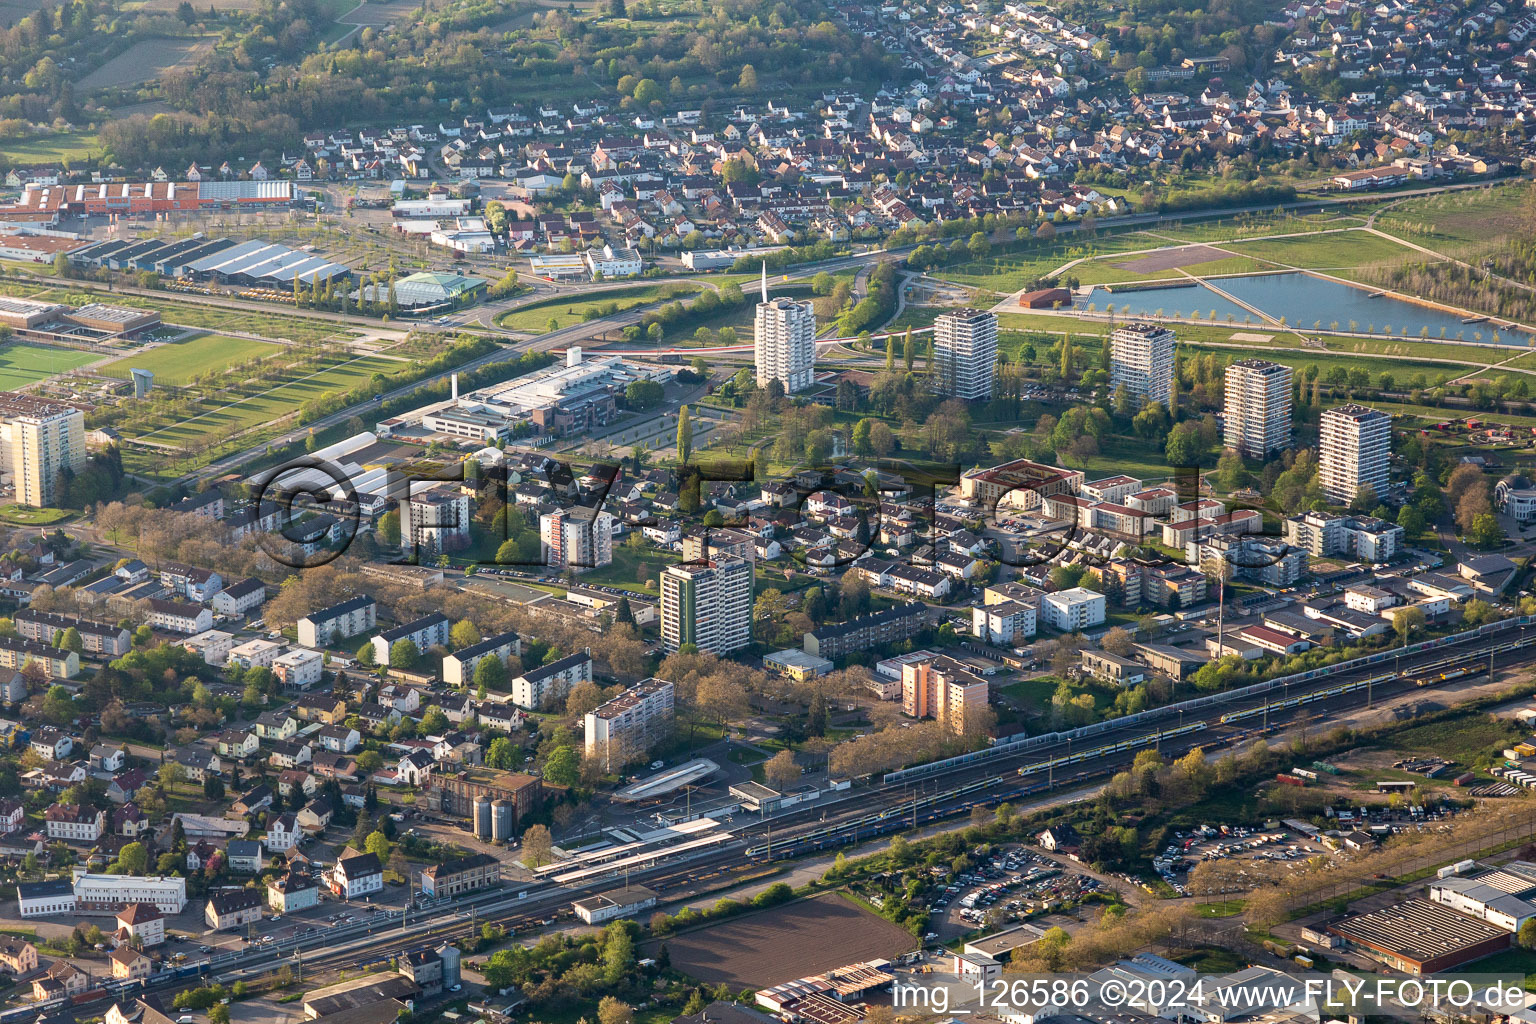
[1303,300]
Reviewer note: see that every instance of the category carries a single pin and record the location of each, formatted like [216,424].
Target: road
[949,789]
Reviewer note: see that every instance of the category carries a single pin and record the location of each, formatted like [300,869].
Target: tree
[1486,531]
[684,436]
[538,846]
[365,655]
[464,634]
[490,674]
[377,844]
[1406,621]
[563,767]
[614,1011]
[69,640]
[584,697]
[133,859]
[781,771]
[1527,935]
[403,654]
[1117,642]
[213,787]
[58,705]
[389,527]
[501,753]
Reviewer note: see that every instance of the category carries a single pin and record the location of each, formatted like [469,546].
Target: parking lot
[1014,885]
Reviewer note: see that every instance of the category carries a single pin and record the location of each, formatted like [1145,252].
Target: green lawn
[1226,229]
[19,516]
[1472,218]
[575,309]
[52,149]
[23,364]
[1105,271]
[270,405]
[177,362]
[1339,250]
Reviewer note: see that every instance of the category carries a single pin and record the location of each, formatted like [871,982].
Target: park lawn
[1473,218]
[1004,274]
[574,309]
[273,404]
[1402,370]
[1104,271]
[53,148]
[20,516]
[1338,250]
[23,364]
[1230,229]
[1134,456]
[177,362]
[1396,355]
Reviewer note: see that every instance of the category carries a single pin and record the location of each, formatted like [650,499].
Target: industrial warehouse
[134,199]
[93,322]
[252,263]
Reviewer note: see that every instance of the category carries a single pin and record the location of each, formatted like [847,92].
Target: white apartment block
[965,353]
[1356,445]
[213,646]
[299,669]
[784,343]
[1007,622]
[1364,537]
[1072,610]
[622,727]
[551,682]
[39,439]
[578,537]
[108,892]
[459,667]
[707,604]
[255,654]
[349,618]
[425,632]
[1141,359]
[435,520]
[1257,410]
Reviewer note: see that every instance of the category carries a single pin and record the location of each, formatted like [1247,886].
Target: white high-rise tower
[1257,412]
[784,341]
[1355,451]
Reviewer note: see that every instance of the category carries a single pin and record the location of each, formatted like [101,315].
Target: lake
[1303,300]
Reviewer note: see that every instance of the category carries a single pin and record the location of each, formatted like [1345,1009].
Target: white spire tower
[765,280]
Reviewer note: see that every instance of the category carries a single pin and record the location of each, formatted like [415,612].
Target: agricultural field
[12,11]
[1333,251]
[575,309]
[177,362]
[23,364]
[147,60]
[791,941]
[243,413]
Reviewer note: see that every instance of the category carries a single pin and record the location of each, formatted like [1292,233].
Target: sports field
[177,362]
[242,413]
[22,364]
